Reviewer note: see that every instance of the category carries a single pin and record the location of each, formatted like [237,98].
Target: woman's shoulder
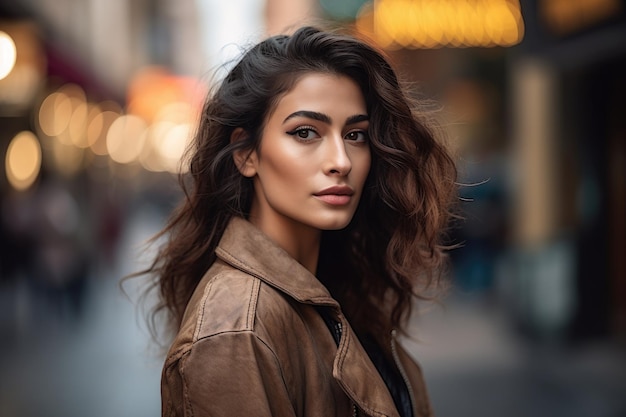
[227,301]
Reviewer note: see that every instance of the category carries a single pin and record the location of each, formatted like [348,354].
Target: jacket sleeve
[228,374]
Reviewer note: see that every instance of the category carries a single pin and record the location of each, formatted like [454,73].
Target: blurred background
[98,100]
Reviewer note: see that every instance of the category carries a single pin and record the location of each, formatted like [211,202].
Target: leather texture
[252,343]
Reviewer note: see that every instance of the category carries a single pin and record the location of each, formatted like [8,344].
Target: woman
[312,218]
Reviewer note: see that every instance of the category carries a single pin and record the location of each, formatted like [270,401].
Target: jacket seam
[188,409]
[200,319]
[275,356]
[254,296]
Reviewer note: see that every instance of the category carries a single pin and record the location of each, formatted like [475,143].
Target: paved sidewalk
[476,365]
[99,364]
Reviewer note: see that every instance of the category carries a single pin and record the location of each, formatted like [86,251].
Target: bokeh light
[54,114]
[398,24]
[98,129]
[124,138]
[23,160]
[8,54]
[172,146]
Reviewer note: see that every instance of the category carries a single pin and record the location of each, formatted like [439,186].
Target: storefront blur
[569,236]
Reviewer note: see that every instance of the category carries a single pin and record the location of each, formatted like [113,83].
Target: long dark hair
[390,252]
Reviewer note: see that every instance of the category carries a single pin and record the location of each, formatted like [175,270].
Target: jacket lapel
[358,376]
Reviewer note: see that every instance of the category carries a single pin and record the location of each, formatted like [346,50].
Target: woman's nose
[337,159]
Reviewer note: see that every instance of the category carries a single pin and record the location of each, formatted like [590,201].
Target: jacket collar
[247,248]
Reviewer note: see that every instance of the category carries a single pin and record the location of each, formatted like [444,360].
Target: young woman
[313,215]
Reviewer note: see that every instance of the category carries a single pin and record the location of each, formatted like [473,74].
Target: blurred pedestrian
[315,202]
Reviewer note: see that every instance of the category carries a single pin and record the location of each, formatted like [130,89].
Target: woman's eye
[357,136]
[303,133]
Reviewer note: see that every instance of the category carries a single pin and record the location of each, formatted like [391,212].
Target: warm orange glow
[153,88]
[165,143]
[567,16]
[23,160]
[437,23]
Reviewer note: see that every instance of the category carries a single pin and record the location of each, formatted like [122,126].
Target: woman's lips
[335,199]
[337,195]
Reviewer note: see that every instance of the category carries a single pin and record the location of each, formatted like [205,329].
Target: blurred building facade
[567,84]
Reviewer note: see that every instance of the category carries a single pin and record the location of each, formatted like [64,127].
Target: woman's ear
[245,159]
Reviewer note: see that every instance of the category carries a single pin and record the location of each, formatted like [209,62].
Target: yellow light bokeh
[23,160]
[8,54]
[437,23]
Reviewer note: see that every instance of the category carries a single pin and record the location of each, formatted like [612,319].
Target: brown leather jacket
[252,343]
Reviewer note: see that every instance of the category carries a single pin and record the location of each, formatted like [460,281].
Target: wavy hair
[390,252]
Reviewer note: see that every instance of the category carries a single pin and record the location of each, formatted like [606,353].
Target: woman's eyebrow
[357,118]
[325,118]
[311,115]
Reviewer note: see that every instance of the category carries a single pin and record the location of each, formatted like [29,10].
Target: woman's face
[313,158]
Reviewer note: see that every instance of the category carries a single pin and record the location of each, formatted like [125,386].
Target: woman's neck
[301,242]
